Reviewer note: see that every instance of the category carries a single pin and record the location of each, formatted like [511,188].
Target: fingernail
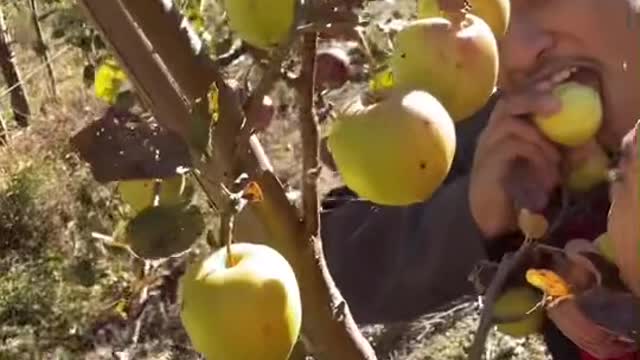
[543,86]
[550,105]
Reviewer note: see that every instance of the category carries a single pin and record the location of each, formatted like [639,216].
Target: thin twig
[508,263]
[226,230]
[231,56]
[309,134]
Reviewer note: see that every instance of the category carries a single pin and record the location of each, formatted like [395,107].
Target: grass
[65,295]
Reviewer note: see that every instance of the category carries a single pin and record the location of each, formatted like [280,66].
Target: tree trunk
[19,102]
[42,49]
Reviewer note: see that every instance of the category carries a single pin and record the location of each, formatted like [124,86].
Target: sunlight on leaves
[108,81]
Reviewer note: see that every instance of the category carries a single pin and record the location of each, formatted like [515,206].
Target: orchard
[192,90]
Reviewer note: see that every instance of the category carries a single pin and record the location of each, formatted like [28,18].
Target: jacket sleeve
[395,263]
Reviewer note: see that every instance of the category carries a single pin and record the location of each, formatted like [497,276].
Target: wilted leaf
[252,192]
[549,282]
[616,311]
[122,146]
[532,225]
[160,232]
[108,80]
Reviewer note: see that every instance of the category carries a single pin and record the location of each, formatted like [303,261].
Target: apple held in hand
[244,307]
[578,120]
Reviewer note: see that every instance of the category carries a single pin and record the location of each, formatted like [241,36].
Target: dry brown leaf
[122,146]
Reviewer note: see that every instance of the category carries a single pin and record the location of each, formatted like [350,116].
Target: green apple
[263,24]
[240,307]
[606,247]
[578,120]
[496,13]
[588,172]
[456,64]
[517,302]
[394,152]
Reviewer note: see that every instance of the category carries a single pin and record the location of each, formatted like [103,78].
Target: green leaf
[191,10]
[213,102]
[381,80]
[108,81]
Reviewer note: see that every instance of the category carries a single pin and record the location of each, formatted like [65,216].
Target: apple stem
[156,192]
[455,11]
[226,237]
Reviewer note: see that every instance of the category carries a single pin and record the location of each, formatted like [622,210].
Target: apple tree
[184,125]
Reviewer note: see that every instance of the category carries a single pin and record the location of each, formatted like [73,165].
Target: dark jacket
[397,263]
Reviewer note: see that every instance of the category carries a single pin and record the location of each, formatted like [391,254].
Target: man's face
[599,39]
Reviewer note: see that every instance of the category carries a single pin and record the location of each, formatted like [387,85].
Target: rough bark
[328,327]
[19,102]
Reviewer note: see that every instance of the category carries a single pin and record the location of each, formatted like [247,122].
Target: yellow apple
[588,172]
[263,24]
[517,302]
[242,307]
[457,65]
[606,247]
[394,152]
[579,119]
[496,13]
[139,194]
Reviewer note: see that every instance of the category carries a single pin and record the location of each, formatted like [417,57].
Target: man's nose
[523,46]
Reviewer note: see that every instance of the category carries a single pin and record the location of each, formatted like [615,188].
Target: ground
[64,294]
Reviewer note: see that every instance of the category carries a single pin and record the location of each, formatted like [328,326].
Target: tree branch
[309,135]
[509,262]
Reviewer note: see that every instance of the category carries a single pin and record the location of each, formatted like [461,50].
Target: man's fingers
[513,147]
[526,133]
[525,104]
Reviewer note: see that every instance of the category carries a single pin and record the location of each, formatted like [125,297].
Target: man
[396,263]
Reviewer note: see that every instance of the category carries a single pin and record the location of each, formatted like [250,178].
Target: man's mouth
[584,75]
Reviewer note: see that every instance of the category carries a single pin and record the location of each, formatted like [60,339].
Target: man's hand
[586,334]
[507,137]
